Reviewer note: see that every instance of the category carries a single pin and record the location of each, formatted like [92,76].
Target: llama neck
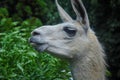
[88,67]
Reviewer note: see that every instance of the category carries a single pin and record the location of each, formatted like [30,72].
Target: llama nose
[31,40]
[35,33]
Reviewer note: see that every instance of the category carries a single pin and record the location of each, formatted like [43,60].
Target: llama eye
[70,31]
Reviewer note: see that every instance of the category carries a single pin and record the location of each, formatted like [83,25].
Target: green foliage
[18,61]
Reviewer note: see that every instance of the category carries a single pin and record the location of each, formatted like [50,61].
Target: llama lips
[40,46]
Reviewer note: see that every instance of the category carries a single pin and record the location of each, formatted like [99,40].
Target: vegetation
[18,61]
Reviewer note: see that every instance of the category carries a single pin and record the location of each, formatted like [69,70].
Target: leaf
[25,23]
[20,67]
[33,54]
[28,10]
[4,12]
[3,21]
[41,3]
[1,59]
[12,75]
[108,73]
[15,23]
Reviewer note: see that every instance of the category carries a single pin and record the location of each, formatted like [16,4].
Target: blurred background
[19,61]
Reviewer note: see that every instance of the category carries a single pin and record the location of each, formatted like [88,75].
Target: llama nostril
[35,33]
[31,40]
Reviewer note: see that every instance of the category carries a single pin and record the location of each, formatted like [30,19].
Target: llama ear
[64,16]
[80,12]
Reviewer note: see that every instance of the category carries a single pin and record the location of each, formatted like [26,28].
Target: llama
[74,41]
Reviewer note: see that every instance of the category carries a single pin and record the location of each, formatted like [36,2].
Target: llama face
[60,40]
[66,39]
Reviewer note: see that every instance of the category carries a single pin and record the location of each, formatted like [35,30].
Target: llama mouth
[40,47]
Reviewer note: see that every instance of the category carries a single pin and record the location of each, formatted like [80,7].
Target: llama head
[66,40]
